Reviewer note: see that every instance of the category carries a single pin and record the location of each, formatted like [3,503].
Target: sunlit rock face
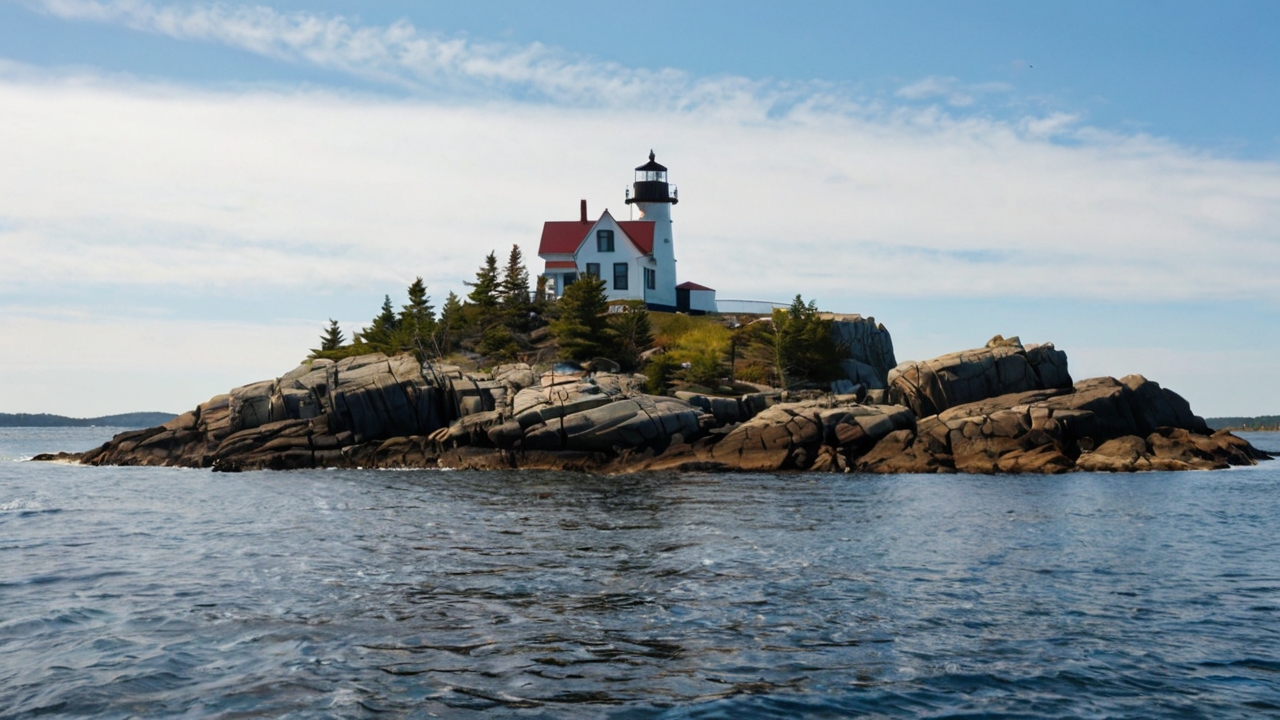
[1003,408]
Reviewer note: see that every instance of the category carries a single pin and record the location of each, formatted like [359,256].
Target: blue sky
[188,191]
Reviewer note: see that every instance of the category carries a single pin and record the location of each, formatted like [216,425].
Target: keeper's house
[636,258]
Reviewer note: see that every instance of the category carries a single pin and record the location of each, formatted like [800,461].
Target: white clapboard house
[635,258]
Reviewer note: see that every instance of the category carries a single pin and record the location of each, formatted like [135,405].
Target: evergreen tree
[487,285]
[515,280]
[451,320]
[380,334]
[332,338]
[804,348]
[514,290]
[582,331]
[481,309]
[498,343]
[417,320]
[634,333]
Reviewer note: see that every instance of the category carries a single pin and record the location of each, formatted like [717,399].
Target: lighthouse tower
[653,197]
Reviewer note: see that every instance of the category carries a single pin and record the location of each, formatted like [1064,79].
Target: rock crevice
[1003,408]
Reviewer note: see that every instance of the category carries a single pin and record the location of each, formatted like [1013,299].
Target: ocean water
[152,592]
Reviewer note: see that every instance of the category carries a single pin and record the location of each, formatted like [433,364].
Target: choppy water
[136,592]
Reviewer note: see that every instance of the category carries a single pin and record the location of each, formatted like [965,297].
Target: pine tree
[451,319]
[417,320]
[332,338]
[485,290]
[582,330]
[482,302]
[804,348]
[380,334]
[634,333]
[498,343]
[514,289]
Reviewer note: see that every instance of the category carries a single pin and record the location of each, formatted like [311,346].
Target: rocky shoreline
[1003,408]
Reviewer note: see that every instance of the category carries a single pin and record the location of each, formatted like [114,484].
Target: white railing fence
[748,307]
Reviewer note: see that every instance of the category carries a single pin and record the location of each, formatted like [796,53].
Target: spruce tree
[451,320]
[582,330]
[804,348]
[634,333]
[332,338]
[514,289]
[417,320]
[482,308]
[380,334]
[485,290]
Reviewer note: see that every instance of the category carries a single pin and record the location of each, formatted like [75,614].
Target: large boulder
[1002,367]
[1099,424]
[625,423]
[867,347]
[1169,449]
[792,435]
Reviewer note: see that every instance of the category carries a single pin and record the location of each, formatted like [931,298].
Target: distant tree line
[1262,422]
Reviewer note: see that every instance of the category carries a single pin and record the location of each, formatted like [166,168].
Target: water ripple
[131,592]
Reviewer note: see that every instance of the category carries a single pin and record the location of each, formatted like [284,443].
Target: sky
[189,191]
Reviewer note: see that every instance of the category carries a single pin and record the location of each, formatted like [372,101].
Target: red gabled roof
[563,238]
[693,286]
[556,264]
[640,232]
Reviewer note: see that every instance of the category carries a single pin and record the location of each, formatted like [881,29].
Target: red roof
[693,286]
[640,232]
[552,264]
[563,238]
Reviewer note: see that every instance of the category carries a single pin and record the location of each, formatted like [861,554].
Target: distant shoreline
[123,420]
[1247,424]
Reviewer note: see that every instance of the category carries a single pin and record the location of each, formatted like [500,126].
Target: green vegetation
[794,348]
[494,320]
[500,320]
[583,331]
[804,349]
[1263,422]
[123,420]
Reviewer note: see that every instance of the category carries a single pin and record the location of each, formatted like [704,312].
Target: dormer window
[604,241]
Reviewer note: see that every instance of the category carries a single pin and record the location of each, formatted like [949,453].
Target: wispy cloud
[403,55]
[950,90]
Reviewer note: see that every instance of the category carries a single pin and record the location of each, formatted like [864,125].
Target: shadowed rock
[376,411]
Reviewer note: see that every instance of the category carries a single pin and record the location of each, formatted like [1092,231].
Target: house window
[604,241]
[650,278]
[593,269]
[619,276]
[570,278]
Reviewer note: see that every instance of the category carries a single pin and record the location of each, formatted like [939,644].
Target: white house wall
[624,251]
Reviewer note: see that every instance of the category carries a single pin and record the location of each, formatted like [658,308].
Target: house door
[682,300]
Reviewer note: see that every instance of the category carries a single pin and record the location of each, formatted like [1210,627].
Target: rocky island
[1002,408]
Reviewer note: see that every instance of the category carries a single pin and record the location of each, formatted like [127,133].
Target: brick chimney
[584,210]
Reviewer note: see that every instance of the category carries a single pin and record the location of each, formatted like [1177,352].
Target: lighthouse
[636,259]
[653,196]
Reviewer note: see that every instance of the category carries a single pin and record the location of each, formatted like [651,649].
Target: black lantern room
[651,184]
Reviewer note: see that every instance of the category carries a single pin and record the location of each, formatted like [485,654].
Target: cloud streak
[399,54]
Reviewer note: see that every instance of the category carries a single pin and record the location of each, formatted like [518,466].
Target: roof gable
[640,232]
[564,238]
